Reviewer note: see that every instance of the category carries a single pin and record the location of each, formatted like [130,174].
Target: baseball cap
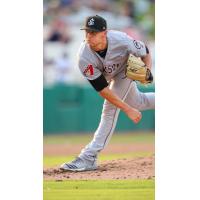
[95,23]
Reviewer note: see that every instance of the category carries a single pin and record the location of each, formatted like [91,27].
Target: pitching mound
[138,168]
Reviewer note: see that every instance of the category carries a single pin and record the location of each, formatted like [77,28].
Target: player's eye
[91,32]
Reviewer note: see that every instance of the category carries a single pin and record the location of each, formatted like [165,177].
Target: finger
[136,120]
[139,118]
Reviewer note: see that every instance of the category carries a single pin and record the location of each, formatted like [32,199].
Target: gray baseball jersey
[120,45]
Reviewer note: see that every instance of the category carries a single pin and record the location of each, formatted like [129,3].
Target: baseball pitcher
[112,61]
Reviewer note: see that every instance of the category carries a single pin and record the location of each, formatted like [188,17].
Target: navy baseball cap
[95,23]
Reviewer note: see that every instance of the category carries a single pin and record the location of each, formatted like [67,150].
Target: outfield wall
[76,108]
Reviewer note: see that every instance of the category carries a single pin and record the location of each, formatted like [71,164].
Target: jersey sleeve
[136,47]
[93,75]
[89,70]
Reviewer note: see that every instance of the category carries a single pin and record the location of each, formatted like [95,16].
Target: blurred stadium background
[70,104]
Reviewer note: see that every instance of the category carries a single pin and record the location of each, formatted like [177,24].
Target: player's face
[95,39]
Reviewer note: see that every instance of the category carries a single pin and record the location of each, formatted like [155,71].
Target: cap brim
[90,29]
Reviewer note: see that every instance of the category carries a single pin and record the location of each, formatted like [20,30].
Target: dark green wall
[75,108]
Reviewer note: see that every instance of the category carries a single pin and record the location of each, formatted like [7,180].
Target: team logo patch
[91,22]
[89,71]
[137,44]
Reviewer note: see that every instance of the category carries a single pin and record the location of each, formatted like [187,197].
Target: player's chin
[91,44]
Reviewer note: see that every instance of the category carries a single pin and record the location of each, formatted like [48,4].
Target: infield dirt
[138,168]
[126,168]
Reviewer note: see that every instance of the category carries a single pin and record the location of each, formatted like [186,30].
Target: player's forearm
[114,99]
[147,60]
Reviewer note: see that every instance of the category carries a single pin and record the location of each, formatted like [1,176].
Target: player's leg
[108,121]
[87,158]
[140,100]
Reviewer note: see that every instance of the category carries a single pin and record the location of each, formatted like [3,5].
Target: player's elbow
[104,92]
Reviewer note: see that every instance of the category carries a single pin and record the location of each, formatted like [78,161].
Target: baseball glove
[137,70]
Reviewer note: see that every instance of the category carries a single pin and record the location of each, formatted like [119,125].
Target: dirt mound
[138,168]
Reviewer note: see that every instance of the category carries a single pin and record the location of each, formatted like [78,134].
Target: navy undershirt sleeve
[99,84]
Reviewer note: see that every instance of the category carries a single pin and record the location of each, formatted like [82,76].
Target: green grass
[138,137]
[99,190]
[53,161]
